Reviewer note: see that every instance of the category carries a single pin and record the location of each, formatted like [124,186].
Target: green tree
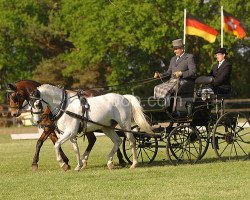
[26,38]
[109,42]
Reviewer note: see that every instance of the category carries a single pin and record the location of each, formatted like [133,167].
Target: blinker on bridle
[34,98]
[16,99]
[60,109]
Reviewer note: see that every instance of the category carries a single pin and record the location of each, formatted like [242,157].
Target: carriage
[185,132]
[199,121]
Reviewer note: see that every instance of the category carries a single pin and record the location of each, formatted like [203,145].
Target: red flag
[233,26]
[195,26]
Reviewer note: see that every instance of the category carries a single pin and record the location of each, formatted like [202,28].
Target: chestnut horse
[19,98]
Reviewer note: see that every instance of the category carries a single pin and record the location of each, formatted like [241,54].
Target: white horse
[108,110]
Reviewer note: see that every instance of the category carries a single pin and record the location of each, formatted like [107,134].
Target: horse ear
[10,87]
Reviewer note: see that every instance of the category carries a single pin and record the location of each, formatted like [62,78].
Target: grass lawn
[208,179]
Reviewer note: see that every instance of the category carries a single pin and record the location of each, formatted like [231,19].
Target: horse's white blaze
[105,110]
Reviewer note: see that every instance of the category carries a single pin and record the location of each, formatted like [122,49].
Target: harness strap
[61,107]
[93,122]
[85,109]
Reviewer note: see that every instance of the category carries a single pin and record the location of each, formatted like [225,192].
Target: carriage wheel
[231,137]
[204,133]
[146,146]
[183,145]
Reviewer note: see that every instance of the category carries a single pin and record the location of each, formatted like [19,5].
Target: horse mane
[27,81]
[53,88]
[46,85]
[50,85]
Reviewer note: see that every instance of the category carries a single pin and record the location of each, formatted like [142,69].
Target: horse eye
[38,104]
[35,103]
[15,98]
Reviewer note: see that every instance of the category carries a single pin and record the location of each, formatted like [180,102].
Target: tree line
[100,43]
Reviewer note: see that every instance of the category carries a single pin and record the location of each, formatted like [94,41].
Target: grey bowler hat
[177,43]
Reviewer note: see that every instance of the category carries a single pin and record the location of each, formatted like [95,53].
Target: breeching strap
[89,120]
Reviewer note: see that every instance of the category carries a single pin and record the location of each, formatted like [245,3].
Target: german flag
[196,27]
[233,26]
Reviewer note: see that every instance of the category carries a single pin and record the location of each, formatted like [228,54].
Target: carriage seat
[204,87]
[204,80]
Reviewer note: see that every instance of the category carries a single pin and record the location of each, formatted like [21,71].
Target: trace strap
[89,120]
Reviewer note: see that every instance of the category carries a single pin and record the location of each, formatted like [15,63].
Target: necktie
[177,58]
[219,64]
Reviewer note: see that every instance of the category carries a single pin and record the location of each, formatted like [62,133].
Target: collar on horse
[85,108]
[60,109]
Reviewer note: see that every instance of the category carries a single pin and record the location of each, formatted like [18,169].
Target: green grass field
[208,179]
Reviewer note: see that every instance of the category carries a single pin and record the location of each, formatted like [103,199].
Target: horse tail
[137,114]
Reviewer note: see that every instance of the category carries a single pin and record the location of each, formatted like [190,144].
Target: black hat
[220,50]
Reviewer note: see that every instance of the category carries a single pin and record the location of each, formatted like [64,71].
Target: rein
[84,119]
[143,81]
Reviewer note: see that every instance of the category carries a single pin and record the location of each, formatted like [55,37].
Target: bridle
[17,98]
[60,109]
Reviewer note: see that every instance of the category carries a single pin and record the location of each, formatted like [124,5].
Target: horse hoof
[69,167]
[66,167]
[110,165]
[34,167]
[133,166]
[78,168]
[85,163]
[122,163]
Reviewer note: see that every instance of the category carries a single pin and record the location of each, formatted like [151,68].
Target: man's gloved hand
[178,74]
[157,75]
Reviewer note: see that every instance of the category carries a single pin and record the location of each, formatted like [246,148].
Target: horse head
[16,98]
[18,94]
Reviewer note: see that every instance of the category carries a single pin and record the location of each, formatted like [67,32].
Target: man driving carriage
[182,70]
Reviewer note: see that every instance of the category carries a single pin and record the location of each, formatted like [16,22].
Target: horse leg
[39,144]
[53,137]
[122,162]
[91,140]
[76,150]
[117,142]
[57,146]
[131,139]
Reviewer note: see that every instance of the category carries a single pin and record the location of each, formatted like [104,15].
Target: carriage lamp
[206,94]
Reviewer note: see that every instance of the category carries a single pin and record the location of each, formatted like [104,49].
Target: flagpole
[184,32]
[222,24]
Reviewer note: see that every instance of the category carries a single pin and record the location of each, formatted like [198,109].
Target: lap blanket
[162,90]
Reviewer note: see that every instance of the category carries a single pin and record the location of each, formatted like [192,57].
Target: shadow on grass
[168,163]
